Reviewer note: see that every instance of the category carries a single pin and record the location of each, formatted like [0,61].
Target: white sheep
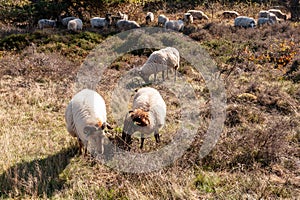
[198,14]
[75,24]
[66,20]
[175,25]
[123,16]
[149,17]
[86,118]
[46,23]
[278,14]
[160,61]
[147,115]
[270,19]
[127,24]
[230,14]
[161,20]
[188,18]
[101,22]
[243,21]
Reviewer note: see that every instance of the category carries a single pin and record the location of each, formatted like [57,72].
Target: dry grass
[257,156]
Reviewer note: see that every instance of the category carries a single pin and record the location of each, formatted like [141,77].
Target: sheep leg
[156,135]
[80,145]
[163,75]
[142,141]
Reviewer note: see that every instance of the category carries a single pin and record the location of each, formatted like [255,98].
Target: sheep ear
[88,130]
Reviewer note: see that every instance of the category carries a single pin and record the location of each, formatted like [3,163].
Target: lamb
[85,118]
[123,16]
[75,24]
[162,19]
[149,17]
[175,25]
[44,23]
[101,22]
[66,20]
[127,25]
[198,14]
[243,21]
[230,14]
[278,14]
[159,61]
[147,115]
[188,18]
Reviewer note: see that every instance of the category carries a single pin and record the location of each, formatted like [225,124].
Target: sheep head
[140,117]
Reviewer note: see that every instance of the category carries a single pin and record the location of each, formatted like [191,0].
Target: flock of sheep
[86,113]
[120,20]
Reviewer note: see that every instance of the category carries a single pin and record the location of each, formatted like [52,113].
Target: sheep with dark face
[86,119]
[147,115]
[99,22]
[149,17]
[188,18]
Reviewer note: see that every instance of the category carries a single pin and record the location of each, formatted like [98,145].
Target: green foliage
[206,183]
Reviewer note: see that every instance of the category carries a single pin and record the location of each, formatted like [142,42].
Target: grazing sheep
[198,14]
[86,118]
[66,20]
[75,24]
[149,17]
[159,61]
[278,14]
[147,115]
[123,16]
[228,14]
[175,25]
[243,21]
[188,18]
[101,22]
[46,23]
[127,25]
[162,19]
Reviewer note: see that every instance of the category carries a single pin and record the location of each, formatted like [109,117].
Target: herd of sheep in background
[120,20]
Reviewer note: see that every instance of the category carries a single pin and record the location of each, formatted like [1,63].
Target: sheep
[159,61]
[175,25]
[44,23]
[162,19]
[127,25]
[230,14]
[75,24]
[263,14]
[243,21]
[198,14]
[123,16]
[85,118]
[149,17]
[147,115]
[278,14]
[188,18]
[66,20]
[270,19]
[101,22]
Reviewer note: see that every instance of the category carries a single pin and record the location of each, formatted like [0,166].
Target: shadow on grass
[39,178]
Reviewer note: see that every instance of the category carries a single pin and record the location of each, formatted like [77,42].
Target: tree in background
[294,7]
